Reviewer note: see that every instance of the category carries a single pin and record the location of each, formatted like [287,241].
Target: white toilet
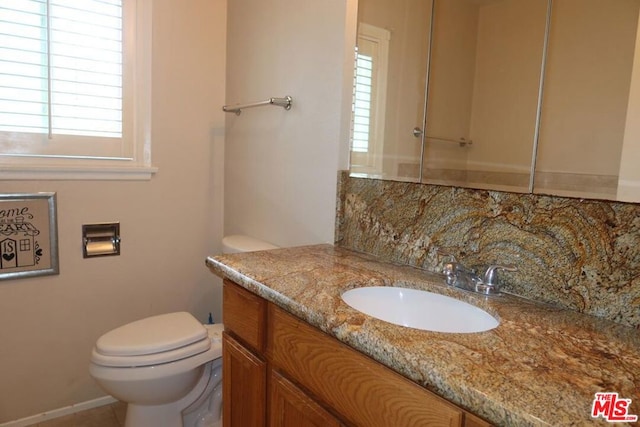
[167,368]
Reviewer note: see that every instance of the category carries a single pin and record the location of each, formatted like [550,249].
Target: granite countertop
[541,366]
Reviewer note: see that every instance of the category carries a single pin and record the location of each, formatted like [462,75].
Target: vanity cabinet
[279,371]
[244,368]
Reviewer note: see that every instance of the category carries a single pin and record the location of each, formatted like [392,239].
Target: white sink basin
[419,309]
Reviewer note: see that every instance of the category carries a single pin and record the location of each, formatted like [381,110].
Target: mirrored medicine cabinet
[531,96]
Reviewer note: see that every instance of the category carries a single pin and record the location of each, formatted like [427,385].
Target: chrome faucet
[462,277]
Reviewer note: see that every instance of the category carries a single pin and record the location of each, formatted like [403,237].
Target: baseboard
[56,413]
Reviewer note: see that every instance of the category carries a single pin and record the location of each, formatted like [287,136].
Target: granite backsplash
[583,255]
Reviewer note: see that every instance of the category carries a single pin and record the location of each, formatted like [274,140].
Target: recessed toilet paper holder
[101,239]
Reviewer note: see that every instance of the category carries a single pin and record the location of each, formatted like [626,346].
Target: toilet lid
[151,359]
[157,334]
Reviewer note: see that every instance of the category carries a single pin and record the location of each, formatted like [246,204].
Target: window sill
[77,173]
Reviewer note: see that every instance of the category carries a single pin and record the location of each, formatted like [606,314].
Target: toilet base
[163,415]
[206,411]
[200,408]
[138,415]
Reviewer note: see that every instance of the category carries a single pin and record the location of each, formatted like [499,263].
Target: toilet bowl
[167,368]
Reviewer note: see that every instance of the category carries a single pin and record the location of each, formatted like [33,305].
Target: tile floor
[103,416]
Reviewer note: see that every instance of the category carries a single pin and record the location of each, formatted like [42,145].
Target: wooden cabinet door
[244,386]
[291,407]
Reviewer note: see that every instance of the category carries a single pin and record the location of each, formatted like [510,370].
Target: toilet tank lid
[241,243]
[154,334]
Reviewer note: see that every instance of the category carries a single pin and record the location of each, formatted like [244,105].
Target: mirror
[483,90]
[583,128]
[520,95]
[389,90]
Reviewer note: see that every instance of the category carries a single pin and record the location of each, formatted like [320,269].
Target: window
[369,99]
[362,103]
[74,86]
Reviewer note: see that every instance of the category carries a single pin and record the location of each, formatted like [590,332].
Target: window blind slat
[85,101]
[19,57]
[109,30]
[76,124]
[22,24]
[71,56]
[86,11]
[28,121]
[34,7]
[24,82]
[86,65]
[66,74]
[23,95]
[94,90]
[361,120]
[24,44]
[22,107]
[72,111]
[71,40]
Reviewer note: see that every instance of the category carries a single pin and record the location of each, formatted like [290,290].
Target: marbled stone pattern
[578,254]
[540,367]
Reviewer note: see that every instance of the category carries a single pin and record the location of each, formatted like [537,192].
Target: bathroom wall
[169,225]
[510,41]
[408,22]
[629,178]
[578,254]
[280,178]
[449,108]
[594,64]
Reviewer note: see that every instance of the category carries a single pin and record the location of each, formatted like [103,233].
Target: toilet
[167,368]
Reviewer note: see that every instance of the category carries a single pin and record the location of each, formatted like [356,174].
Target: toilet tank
[240,243]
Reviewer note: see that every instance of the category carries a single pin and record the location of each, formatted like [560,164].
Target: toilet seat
[150,359]
[151,341]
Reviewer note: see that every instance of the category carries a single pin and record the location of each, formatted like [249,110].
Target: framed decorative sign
[28,235]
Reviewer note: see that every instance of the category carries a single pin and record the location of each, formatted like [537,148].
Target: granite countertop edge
[540,366]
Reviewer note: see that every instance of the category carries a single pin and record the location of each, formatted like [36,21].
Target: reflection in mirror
[484,80]
[585,136]
[629,178]
[535,96]
[389,93]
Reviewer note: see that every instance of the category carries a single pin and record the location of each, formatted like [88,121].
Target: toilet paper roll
[101,247]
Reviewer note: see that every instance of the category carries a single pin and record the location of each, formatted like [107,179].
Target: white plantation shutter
[362,103]
[369,99]
[63,80]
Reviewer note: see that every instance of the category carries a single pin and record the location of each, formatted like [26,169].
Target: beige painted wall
[587,88]
[281,174]
[629,178]
[451,82]
[485,60]
[509,53]
[169,225]
[408,22]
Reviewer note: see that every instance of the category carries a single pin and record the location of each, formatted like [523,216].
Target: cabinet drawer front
[244,315]
[361,390]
